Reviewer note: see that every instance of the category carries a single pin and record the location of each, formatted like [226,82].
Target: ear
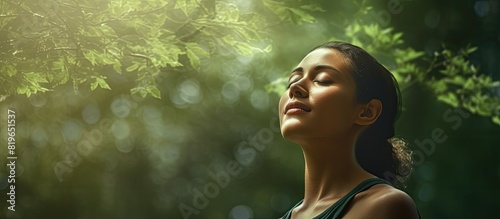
[369,113]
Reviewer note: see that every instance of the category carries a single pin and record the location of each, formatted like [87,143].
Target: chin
[295,134]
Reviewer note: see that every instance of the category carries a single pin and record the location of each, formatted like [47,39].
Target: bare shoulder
[383,201]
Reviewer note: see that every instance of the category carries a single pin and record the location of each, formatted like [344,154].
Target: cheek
[281,105]
[336,111]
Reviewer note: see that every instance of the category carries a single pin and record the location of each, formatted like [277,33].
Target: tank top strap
[335,211]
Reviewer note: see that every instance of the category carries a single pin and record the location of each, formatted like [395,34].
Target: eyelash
[324,82]
[316,81]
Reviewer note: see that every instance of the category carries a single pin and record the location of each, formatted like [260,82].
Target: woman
[340,107]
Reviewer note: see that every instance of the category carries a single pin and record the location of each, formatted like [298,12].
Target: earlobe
[369,113]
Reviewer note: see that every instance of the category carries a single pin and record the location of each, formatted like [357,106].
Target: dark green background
[172,147]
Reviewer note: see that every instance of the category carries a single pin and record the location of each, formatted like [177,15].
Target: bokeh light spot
[121,107]
[170,154]
[38,100]
[426,192]
[124,145]
[432,18]
[3,181]
[120,129]
[482,8]
[243,4]
[23,129]
[151,115]
[72,130]
[243,158]
[230,92]
[91,113]
[241,212]
[177,100]
[153,121]
[244,83]
[427,171]
[39,136]
[189,91]
[259,99]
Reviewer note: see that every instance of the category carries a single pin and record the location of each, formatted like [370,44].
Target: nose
[297,90]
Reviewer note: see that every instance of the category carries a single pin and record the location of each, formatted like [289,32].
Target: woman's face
[321,99]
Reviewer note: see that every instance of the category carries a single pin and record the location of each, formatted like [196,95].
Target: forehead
[326,56]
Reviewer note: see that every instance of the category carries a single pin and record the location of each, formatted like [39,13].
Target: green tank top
[335,211]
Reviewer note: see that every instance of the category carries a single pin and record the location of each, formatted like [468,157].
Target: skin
[327,135]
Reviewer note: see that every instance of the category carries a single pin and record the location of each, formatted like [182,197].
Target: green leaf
[473,69]
[89,55]
[244,49]
[35,78]
[117,66]
[277,86]
[303,16]
[469,84]
[99,81]
[371,30]
[285,13]
[457,80]
[103,84]
[23,90]
[139,90]
[193,51]
[93,85]
[439,86]
[154,91]
[483,110]
[449,98]
[229,12]
[312,8]
[193,59]
[187,6]
[11,70]
[133,67]
[397,36]
[412,54]
[197,49]
[496,120]
[268,49]
[471,50]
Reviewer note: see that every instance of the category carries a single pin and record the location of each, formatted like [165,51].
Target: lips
[296,107]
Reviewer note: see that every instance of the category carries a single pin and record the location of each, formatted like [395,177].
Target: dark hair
[377,150]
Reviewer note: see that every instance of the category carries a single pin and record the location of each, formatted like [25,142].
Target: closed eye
[325,82]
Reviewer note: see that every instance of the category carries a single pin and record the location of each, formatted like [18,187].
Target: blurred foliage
[149,109]
[449,75]
[54,42]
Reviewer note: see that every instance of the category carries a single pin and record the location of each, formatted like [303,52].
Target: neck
[331,171]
